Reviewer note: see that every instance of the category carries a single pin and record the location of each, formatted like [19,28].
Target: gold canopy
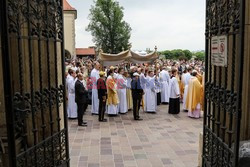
[114,59]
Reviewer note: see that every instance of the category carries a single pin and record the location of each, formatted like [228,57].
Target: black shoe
[104,120]
[72,118]
[122,113]
[112,115]
[139,119]
[185,110]
[82,124]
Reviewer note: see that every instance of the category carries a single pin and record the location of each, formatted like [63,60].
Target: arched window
[67,54]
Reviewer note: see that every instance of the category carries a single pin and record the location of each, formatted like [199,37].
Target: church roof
[67,6]
[85,51]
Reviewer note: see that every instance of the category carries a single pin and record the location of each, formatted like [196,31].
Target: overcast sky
[168,24]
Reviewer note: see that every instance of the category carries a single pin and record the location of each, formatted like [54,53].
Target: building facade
[70,15]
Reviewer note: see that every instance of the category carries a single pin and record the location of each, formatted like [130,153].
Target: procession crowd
[134,87]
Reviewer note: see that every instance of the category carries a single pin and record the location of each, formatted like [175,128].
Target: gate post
[240,85]
[64,91]
[206,78]
[7,84]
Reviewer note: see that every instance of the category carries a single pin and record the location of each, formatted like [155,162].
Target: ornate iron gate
[33,63]
[223,84]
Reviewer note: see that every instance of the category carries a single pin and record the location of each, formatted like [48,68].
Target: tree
[110,32]
[199,56]
[168,54]
[178,54]
[188,54]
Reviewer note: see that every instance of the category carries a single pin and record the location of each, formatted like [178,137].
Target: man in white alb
[72,107]
[150,92]
[94,76]
[164,79]
[122,91]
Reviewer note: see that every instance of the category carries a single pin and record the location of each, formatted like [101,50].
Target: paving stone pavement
[159,140]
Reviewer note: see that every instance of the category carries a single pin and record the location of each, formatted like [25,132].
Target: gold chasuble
[129,99]
[200,78]
[112,91]
[195,94]
[182,87]
[203,90]
[180,84]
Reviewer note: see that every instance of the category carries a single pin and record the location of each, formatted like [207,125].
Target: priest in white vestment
[164,79]
[72,107]
[185,80]
[122,91]
[150,92]
[94,76]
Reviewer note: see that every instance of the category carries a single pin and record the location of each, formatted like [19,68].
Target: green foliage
[188,54]
[168,54]
[177,54]
[200,56]
[110,32]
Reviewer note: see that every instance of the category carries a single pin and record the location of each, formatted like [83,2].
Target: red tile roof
[67,6]
[85,51]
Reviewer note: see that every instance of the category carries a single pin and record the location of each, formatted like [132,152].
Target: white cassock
[112,109]
[150,94]
[174,88]
[94,76]
[72,107]
[185,80]
[129,80]
[67,81]
[164,79]
[122,94]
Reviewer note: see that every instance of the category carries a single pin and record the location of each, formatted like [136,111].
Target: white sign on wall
[219,51]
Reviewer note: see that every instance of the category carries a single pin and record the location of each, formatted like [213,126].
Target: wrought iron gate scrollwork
[223,84]
[35,54]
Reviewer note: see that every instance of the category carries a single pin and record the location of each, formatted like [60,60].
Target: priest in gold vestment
[194,96]
[112,101]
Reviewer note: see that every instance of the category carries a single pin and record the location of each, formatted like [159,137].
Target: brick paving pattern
[159,140]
